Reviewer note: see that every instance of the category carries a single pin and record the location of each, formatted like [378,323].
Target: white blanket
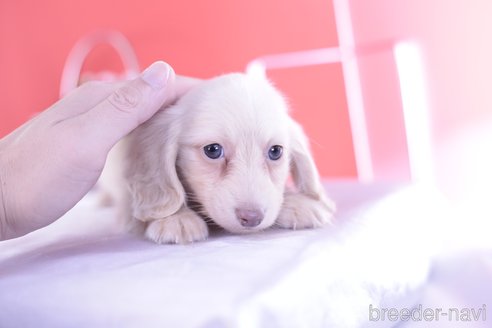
[73,274]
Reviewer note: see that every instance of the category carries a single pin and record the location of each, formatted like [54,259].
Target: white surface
[461,287]
[378,253]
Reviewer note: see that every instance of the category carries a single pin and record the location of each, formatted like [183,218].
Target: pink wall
[204,39]
[455,38]
[198,38]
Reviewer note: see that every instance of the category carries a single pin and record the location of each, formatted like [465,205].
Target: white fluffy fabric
[73,274]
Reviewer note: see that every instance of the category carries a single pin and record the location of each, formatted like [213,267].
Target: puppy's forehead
[236,104]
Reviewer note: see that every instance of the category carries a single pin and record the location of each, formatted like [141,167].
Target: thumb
[131,104]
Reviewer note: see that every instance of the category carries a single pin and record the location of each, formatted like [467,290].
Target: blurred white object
[410,71]
[413,88]
[73,274]
[72,70]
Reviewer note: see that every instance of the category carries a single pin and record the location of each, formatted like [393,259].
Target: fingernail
[157,74]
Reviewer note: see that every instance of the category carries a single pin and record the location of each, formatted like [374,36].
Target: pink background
[204,39]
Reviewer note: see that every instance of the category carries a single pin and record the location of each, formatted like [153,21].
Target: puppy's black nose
[249,217]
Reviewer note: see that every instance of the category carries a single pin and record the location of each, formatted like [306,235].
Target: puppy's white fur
[167,169]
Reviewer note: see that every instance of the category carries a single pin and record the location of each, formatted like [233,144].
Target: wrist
[3,206]
[5,228]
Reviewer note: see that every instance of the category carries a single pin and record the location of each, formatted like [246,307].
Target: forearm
[33,193]
[4,231]
[48,164]
[7,193]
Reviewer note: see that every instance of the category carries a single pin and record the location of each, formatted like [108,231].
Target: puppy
[223,153]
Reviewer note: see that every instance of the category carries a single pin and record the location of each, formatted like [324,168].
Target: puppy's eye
[275,152]
[213,151]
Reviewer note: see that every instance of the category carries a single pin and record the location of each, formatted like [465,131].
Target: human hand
[48,164]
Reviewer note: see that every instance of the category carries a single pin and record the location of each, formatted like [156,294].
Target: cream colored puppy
[223,153]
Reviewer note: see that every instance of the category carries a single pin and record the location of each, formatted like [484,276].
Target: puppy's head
[234,150]
[231,143]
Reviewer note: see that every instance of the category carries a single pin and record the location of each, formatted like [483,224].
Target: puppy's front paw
[183,227]
[300,212]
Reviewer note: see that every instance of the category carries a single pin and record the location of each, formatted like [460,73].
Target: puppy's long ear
[303,169]
[154,184]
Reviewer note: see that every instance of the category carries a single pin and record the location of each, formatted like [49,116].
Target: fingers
[127,106]
[141,98]
[184,84]
[92,93]
[81,99]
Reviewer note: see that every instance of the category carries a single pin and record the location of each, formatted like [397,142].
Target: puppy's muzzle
[249,218]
